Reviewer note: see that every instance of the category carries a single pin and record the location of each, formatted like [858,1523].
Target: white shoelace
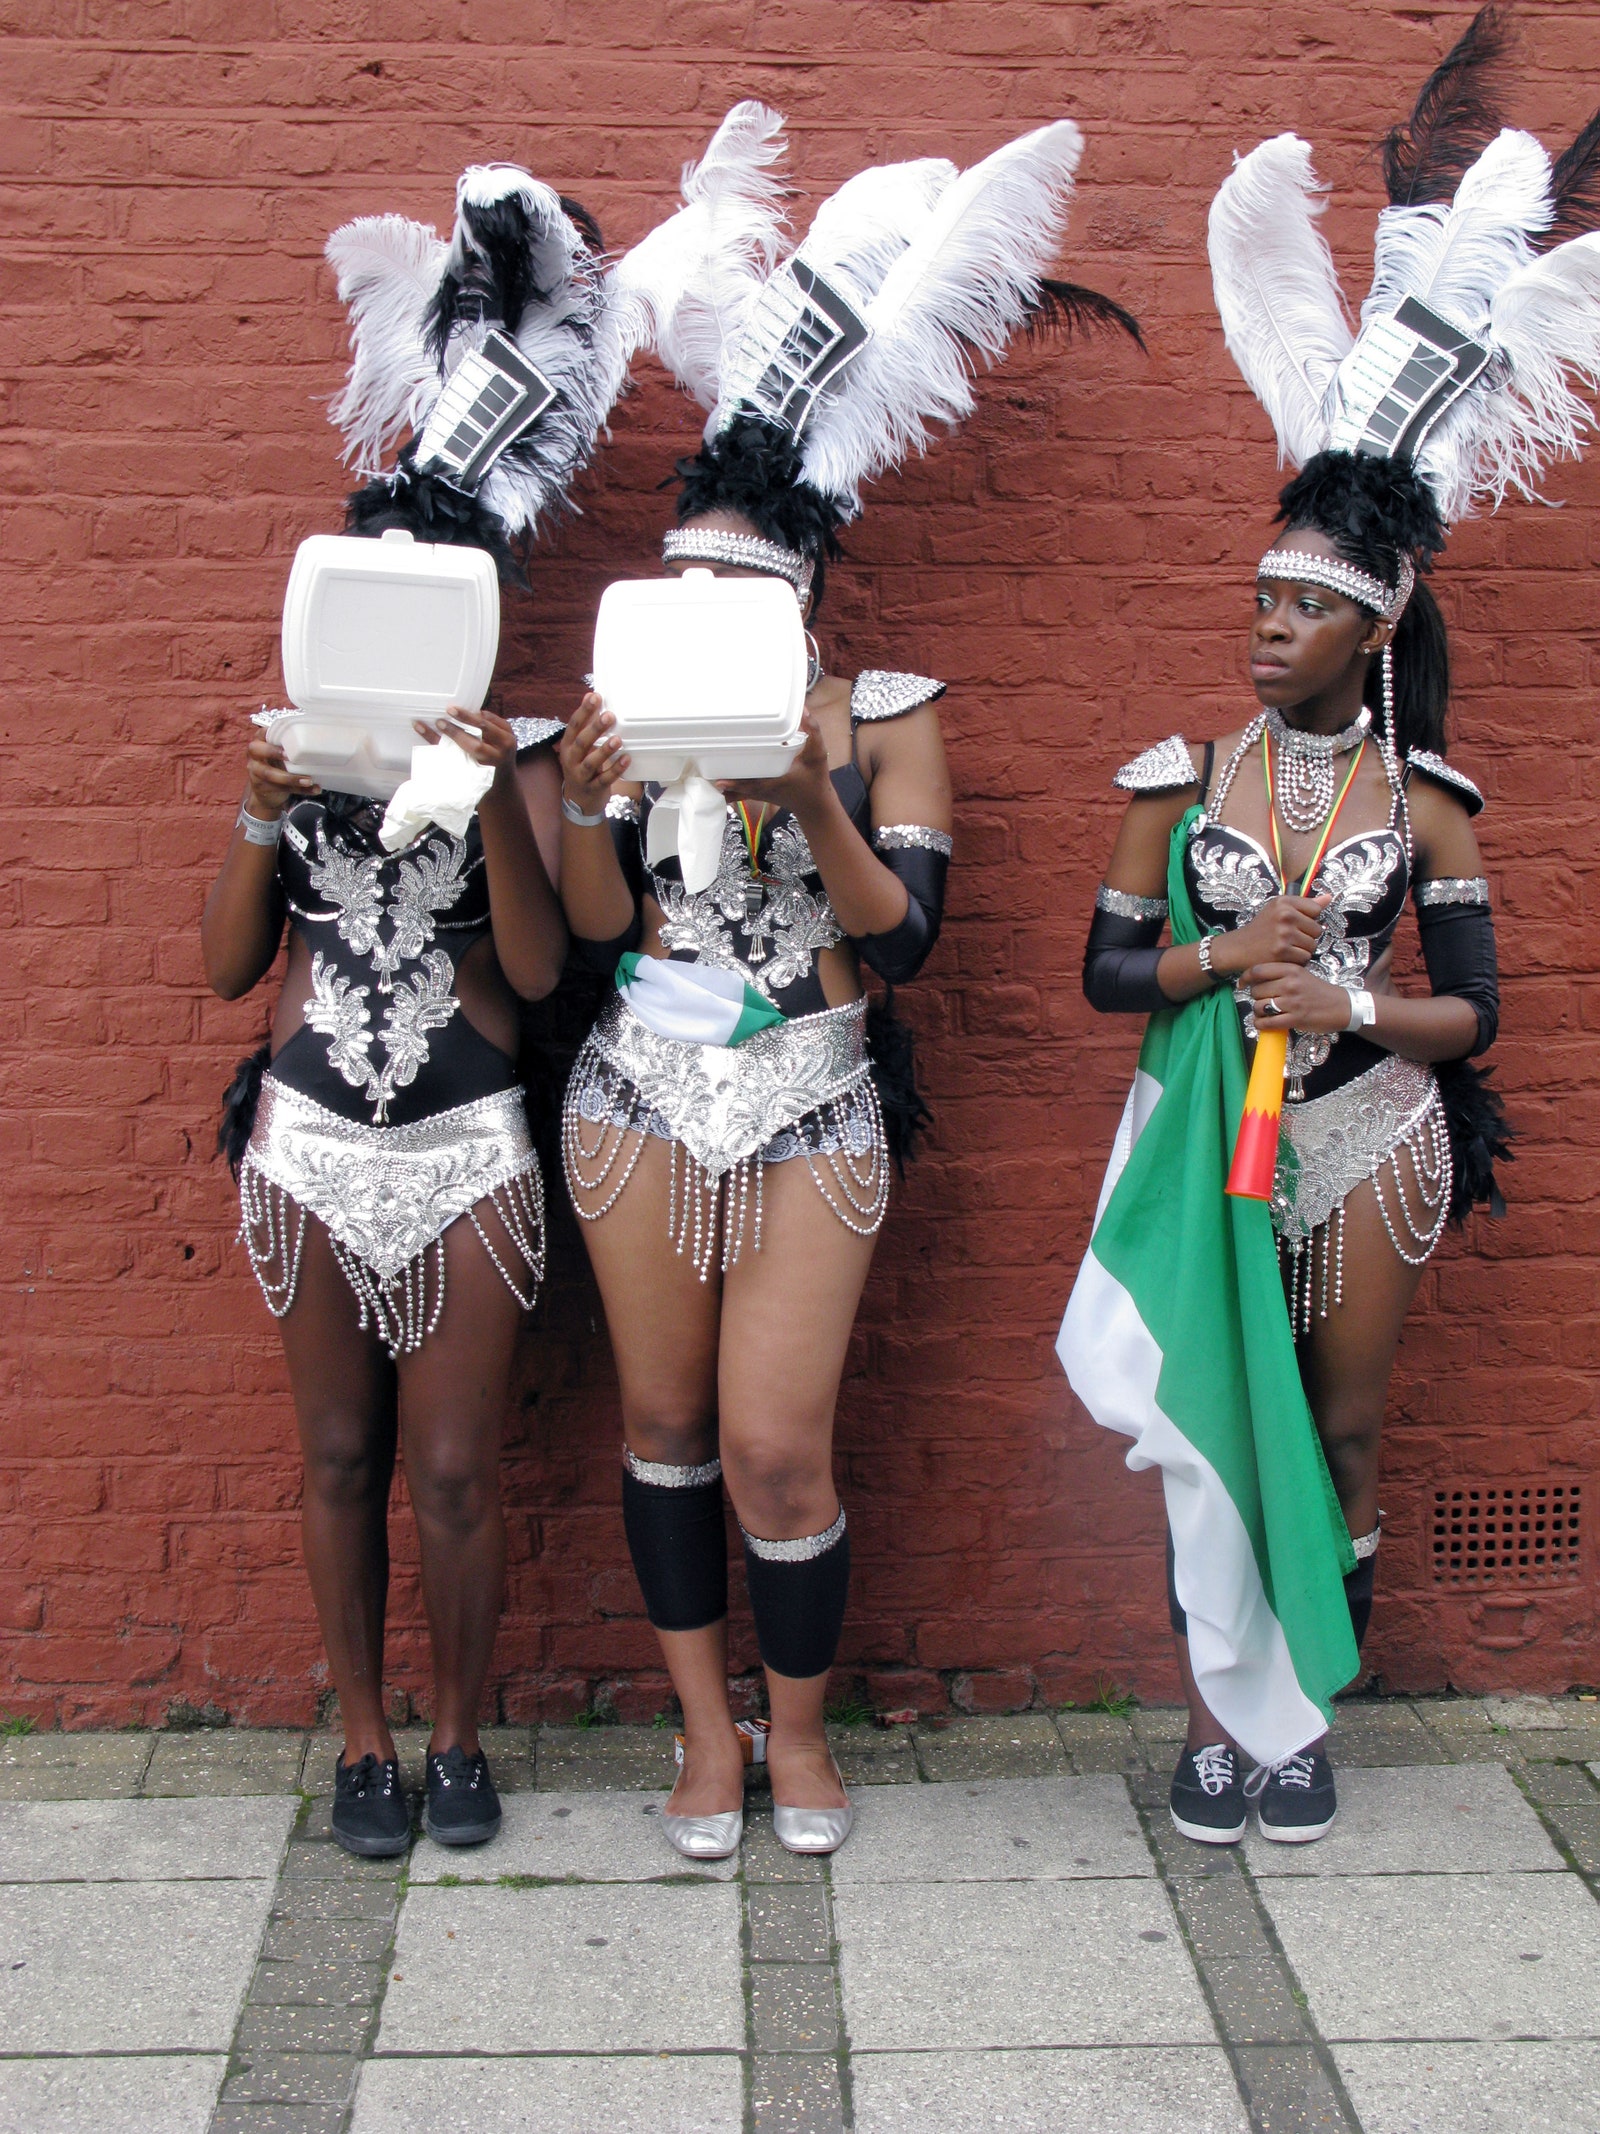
[1288,1771]
[1213,1767]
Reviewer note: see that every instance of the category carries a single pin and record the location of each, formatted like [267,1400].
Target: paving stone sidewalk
[1014,1937]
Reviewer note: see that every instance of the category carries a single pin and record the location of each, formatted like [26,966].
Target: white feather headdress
[870,329]
[1473,343]
[496,350]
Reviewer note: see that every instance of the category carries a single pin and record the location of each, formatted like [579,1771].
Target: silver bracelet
[571,810]
[257,830]
[1363,1010]
[1203,951]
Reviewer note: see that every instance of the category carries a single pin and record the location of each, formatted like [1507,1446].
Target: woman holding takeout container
[730,1121]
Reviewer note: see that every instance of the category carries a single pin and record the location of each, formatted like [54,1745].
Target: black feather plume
[431,509]
[1454,119]
[1068,308]
[1480,1137]
[239,1101]
[753,467]
[1575,189]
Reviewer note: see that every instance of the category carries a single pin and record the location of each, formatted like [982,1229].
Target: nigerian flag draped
[1177,1334]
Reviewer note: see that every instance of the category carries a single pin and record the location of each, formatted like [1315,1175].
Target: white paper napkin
[445,787]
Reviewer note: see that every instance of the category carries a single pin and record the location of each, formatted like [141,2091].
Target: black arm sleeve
[1458,949]
[602,956]
[899,954]
[1119,965]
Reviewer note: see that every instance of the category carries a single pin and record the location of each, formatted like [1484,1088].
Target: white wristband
[1363,1011]
[574,814]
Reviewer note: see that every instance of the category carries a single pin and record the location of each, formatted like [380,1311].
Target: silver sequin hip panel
[800,1090]
[1386,1127]
[386,1195]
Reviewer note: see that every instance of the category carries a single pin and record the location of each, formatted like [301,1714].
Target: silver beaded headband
[709,544]
[1389,601]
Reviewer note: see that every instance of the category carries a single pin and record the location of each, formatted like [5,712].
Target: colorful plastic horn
[1255,1152]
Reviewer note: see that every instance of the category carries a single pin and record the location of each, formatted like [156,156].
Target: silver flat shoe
[705,1837]
[812,1829]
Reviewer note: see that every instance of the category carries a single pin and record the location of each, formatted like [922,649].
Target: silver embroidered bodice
[770,919]
[383,1037]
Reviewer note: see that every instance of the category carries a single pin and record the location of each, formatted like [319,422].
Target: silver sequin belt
[385,1193]
[723,1103]
[1327,1146]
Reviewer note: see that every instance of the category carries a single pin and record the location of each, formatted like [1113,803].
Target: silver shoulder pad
[1445,774]
[878,694]
[1166,768]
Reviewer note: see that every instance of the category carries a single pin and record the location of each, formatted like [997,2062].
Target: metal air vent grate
[1507,1533]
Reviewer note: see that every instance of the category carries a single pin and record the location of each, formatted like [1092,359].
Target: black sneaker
[371,1815]
[1208,1801]
[1295,1800]
[463,1808]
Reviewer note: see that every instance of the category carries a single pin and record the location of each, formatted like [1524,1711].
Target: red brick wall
[1076,564]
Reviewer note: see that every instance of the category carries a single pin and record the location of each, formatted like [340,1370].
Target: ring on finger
[1267,1007]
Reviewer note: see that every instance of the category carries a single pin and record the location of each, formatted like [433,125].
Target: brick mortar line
[1235,1871]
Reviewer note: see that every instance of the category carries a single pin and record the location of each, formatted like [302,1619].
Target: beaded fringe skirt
[386,1195]
[1387,1125]
[802,1089]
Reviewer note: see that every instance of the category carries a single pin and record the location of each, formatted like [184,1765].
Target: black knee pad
[672,1517]
[1175,1614]
[798,1591]
[1358,1595]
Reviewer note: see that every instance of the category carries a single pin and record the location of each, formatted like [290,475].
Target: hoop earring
[813,664]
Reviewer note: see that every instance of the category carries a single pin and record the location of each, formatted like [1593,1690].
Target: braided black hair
[753,467]
[1373,510]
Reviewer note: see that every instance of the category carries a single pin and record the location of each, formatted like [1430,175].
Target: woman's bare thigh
[663,1320]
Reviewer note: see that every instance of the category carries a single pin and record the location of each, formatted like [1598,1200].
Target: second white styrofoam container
[703,671]
[377,634]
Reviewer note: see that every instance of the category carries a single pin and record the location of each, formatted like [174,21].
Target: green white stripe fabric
[1177,1335]
[693,1002]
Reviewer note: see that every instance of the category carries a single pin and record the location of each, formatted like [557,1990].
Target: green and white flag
[696,1003]
[1177,1335]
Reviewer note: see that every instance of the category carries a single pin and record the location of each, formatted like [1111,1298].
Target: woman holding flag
[1255,1252]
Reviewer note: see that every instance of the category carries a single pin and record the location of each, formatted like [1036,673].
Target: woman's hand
[1284,931]
[272,785]
[803,787]
[483,735]
[591,757]
[1287,997]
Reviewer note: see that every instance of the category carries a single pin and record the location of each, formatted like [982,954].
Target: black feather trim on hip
[1480,1137]
[239,1101]
[892,1050]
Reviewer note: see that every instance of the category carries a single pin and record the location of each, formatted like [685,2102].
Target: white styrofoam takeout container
[377,634]
[702,671]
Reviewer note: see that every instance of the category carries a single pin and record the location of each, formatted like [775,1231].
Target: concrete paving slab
[697,2094]
[1287,2090]
[996,1830]
[1023,1746]
[1474,2089]
[763,1859]
[278,2119]
[1445,1819]
[580,1759]
[143,1841]
[788,1924]
[292,2078]
[1525,1712]
[64,1767]
[1387,1733]
[957,1966]
[567,1968]
[1570,1744]
[874,1755]
[225,1761]
[795,2093]
[126,1967]
[585,1837]
[1157,1723]
[1173,2090]
[1443,1956]
[794,2008]
[1101,1741]
[157,2094]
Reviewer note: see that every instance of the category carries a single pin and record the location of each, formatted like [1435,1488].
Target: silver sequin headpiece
[709,544]
[1389,601]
